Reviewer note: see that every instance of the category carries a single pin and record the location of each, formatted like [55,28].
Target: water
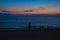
[21,21]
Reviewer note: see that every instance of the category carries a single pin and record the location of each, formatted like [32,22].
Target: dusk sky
[30,6]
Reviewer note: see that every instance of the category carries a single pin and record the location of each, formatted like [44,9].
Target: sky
[30,6]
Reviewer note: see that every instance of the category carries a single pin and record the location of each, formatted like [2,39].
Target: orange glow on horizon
[46,11]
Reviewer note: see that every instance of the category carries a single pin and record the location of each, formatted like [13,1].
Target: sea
[22,21]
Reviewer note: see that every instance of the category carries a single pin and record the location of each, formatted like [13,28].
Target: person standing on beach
[29,26]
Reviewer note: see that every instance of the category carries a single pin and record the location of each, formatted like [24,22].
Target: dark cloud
[4,11]
[28,10]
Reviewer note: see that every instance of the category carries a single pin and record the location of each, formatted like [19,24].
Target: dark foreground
[45,34]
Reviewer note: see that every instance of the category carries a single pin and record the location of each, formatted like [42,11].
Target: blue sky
[28,4]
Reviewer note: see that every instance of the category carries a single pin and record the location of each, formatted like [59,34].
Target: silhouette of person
[29,26]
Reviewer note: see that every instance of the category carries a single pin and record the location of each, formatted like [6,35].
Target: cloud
[35,9]
[57,5]
[4,11]
[42,8]
[28,10]
[39,8]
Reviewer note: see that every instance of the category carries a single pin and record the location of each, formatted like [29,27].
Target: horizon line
[31,14]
